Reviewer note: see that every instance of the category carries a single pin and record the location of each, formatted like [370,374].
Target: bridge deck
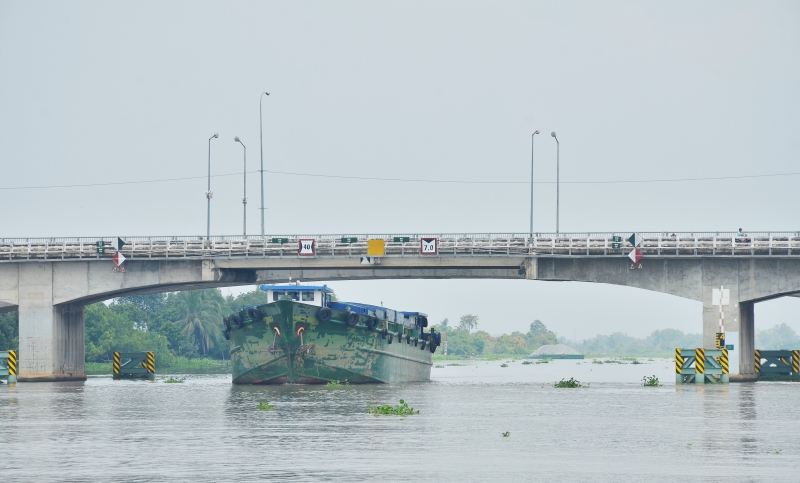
[683,245]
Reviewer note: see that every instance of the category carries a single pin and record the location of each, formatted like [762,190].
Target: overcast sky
[109,92]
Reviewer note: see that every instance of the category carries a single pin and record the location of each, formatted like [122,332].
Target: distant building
[557,351]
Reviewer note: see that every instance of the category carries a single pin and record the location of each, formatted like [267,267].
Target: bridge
[50,280]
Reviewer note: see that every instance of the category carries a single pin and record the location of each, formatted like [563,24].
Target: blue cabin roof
[297,288]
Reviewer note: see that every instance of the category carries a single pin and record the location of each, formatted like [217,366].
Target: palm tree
[200,311]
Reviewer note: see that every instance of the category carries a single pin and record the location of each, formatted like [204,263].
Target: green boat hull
[289,345]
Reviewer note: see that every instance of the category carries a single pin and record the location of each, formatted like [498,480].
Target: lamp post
[532,135]
[209,194]
[261,135]
[244,198]
[558,185]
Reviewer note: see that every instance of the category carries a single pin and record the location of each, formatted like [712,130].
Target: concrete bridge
[49,281]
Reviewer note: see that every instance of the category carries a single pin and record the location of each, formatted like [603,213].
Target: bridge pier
[51,337]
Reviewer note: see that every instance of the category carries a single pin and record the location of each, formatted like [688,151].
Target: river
[206,429]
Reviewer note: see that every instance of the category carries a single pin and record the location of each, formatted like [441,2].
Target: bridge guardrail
[761,244]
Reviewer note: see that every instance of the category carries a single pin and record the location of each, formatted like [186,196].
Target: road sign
[306,247]
[120,243]
[280,240]
[721,297]
[636,266]
[635,255]
[720,340]
[118,258]
[376,248]
[101,247]
[367,261]
[349,240]
[729,347]
[402,239]
[616,239]
[118,269]
[635,239]
[616,246]
[428,246]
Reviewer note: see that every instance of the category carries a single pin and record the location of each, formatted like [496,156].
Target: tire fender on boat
[372,322]
[255,314]
[423,344]
[391,336]
[351,320]
[236,321]
[324,314]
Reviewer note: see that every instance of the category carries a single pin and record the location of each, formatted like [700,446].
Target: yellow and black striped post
[11,362]
[795,362]
[723,362]
[699,365]
[678,362]
[115,365]
[151,362]
[757,360]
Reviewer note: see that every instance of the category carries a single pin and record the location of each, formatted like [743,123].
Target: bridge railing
[759,244]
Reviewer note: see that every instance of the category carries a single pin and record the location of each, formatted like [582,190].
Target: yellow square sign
[376,248]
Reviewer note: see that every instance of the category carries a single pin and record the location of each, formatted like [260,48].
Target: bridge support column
[51,337]
[747,338]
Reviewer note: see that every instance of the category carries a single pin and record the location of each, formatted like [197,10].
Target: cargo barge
[303,336]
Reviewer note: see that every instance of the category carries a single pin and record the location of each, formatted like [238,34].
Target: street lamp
[532,135]
[244,198]
[261,134]
[558,185]
[209,194]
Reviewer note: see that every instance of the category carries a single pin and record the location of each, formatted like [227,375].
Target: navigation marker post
[721,296]
[616,242]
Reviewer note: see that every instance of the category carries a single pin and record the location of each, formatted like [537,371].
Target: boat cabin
[305,294]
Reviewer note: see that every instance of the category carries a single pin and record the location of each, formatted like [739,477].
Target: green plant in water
[505,435]
[503,365]
[571,382]
[400,410]
[264,406]
[651,381]
[173,380]
[456,364]
[439,367]
[337,383]
[525,363]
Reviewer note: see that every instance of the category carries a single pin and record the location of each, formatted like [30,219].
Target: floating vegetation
[635,361]
[173,380]
[596,361]
[456,364]
[401,410]
[544,361]
[525,363]
[505,435]
[264,406]
[503,365]
[439,367]
[337,383]
[651,381]
[571,382]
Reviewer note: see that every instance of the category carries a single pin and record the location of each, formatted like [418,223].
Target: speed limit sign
[306,247]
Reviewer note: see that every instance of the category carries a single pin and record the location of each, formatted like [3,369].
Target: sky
[97,93]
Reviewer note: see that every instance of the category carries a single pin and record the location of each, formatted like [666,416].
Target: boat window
[276,296]
[293,295]
[308,296]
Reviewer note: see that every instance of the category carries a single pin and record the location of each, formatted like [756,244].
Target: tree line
[189,324]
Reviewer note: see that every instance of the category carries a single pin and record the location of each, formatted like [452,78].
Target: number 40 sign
[306,247]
